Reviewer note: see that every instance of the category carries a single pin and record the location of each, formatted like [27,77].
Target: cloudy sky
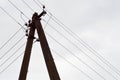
[96,22]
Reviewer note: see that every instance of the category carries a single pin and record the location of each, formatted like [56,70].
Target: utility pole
[52,70]
[53,74]
[27,54]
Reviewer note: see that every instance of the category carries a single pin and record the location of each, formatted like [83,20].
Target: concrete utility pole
[36,24]
[46,51]
[27,54]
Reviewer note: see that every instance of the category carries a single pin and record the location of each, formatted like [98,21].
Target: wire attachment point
[43,12]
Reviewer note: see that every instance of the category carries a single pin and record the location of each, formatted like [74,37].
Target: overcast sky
[94,21]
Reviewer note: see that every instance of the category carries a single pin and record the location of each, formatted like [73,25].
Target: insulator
[43,6]
[26,24]
[26,34]
[26,31]
[29,21]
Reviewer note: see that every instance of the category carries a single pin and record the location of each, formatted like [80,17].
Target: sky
[96,22]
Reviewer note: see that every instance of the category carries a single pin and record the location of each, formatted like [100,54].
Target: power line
[12,18]
[87,46]
[13,60]
[47,22]
[72,64]
[11,63]
[38,4]
[8,0]
[77,57]
[82,61]
[11,55]
[106,62]
[82,51]
[41,7]
[11,48]
[17,8]
[22,17]
[28,5]
[10,38]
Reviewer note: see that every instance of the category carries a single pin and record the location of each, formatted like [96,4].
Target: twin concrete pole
[52,71]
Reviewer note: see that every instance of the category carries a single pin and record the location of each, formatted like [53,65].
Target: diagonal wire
[93,51]
[82,51]
[72,64]
[12,18]
[17,8]
[47,22]
[10,39]
[87,46]
[22,17]
[38,4]
[27,5]
[77,57]
[11,63]
[69,32]
[11,48]
[11,55]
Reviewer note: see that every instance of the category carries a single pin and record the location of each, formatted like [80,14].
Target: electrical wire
[87,46]
[11,48]
[41,7]
[22,17]
[20,11]
[11,63]
[17,8]
[11,55]
[72,64]
[27,5]
[12,18]
[10,39]
[106,62]
[50,13]
[17,42]
[64,25]
[76,57]
[47,22]
[13,60]
[38,4]
[81,51]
